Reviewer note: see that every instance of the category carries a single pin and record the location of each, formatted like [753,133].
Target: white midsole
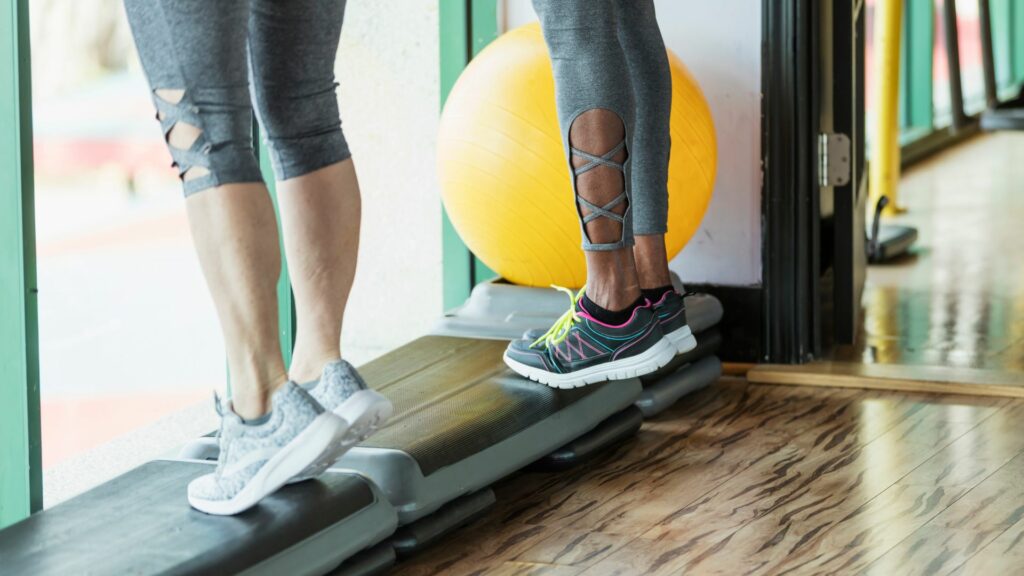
[683,339]
[364,412]
[363,405]
[306,448]
[650,360]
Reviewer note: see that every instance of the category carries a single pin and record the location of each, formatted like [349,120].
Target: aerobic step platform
[463,420]
[141,523]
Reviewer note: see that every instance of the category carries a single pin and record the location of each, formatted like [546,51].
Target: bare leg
[320,212]
[235,234]
[611,275]
[651,261]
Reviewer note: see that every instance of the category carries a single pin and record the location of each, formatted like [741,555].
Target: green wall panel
[20,461]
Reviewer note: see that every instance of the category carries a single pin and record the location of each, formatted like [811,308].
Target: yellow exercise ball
[504,176]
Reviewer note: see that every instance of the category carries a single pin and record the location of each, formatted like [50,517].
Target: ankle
[655,281]
[253,381]
[308,367]
[656,294]
[250,405]
[611,297]
[651,261]
[610,317]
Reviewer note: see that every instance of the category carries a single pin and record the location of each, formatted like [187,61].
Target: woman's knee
[302,126]
[209,135]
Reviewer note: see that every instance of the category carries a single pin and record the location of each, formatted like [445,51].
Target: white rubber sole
[311,446]
[683,339]
[640,365]
[364,413]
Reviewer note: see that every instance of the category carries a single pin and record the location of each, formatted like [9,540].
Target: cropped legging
[609,54]
[224,58]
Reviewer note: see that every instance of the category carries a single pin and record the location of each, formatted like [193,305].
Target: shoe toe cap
[522,352]
[207,487]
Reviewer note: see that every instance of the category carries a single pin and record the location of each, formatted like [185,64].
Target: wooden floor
[958,300]
[753,479]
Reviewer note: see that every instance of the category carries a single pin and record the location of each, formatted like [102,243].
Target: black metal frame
[790,198]
[850,259]
[956,87]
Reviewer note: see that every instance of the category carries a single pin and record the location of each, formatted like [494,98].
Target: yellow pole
[885,147]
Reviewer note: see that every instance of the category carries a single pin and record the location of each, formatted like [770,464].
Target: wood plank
[771,510]
[739,477]
[737,368]
[900,378]
[532,569]
[955,535]
[1004,555]
[918,499]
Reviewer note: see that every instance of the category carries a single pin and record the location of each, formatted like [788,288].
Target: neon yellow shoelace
[560,329]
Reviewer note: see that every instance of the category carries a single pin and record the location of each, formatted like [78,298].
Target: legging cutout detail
[593,162]
[228,57]
[198,154]
[609,54]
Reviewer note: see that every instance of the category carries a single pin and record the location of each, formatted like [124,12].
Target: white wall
[721,44]
[388,70]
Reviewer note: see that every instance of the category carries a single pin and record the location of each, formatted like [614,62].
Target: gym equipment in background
[998,115]
[504,178]
[887,241]
[1004,115]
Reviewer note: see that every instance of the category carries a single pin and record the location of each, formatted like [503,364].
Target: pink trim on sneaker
[663,297]
[618,352]
[583,312]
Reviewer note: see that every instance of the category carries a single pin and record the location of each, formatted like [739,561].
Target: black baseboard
[741,324]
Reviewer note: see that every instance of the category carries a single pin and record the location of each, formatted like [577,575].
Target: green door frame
[21,479]
[285,298]
[466,28]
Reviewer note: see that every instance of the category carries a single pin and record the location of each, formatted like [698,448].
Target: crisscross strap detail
[603,211]
[593,162]
[170,114]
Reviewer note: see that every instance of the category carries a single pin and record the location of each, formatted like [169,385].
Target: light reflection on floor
[958,299]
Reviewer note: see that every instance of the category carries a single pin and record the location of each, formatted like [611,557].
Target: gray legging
[229,55]
[609,54]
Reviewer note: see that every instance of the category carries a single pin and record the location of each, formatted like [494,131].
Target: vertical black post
[790,126]
[956,88]
[987,54]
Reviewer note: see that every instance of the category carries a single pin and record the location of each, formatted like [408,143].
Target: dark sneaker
[579,350]
[671,312]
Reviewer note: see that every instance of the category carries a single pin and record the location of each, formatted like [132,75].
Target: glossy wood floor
[753,479]
[958,299]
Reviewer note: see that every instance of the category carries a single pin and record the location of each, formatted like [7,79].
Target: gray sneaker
[343,391]
[257,459]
